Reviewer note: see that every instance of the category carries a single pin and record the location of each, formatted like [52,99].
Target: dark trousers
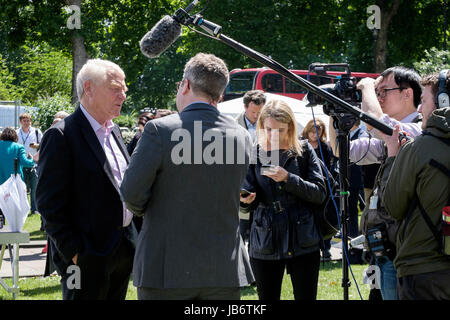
[353,229]
[30,178]
[102,278]
[231,293]
[425,286]
[304,272]
[244,229]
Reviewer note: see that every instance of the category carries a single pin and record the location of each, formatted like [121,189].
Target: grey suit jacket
[190,235]
[241,121]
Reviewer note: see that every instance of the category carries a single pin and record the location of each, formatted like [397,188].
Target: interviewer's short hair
[207,74]
[9,134]
[95,70]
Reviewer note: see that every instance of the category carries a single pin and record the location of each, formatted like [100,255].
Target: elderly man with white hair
[83,159]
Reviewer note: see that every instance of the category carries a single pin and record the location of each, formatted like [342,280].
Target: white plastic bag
[14,202]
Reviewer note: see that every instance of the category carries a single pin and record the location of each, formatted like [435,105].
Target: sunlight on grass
[329,286]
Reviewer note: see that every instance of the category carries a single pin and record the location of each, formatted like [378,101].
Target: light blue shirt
[251,128]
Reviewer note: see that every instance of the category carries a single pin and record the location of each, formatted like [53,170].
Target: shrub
[434,61]
[45,109]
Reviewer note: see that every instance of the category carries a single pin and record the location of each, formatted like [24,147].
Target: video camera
[344,88]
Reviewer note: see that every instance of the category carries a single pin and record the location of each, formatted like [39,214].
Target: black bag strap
[440,166]
[428,221]
[37,135]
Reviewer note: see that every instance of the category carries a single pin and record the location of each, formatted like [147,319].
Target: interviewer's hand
[277,174]
[248,199]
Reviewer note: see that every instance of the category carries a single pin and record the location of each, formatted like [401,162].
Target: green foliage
[294,33]
[127,136]
[44,73]
[8,91]
[45,109]
[128,120]
[433,61]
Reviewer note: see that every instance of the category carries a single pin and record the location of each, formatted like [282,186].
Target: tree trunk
[79,53]
[387,13]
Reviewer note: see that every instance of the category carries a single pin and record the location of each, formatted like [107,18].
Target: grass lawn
[32,225]
[329,287]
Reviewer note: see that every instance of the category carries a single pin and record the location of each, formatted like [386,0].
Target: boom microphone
[160,37]
[164,33]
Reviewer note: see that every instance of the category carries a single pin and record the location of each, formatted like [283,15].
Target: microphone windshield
[160,37]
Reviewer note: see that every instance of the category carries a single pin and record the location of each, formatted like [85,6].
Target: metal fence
[9,113]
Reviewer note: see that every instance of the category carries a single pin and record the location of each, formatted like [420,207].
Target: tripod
[343,124]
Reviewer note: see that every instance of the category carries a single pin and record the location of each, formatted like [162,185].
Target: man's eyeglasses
[382,93]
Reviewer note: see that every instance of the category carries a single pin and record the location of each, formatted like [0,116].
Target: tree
[434,61]
[295,33]
[44,110]
[8,91]
[79,53]
[388,11]
[45,72]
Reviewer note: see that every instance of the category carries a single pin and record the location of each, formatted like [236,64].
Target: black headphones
[442,99]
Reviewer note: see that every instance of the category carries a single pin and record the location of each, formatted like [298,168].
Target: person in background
[30,138]
[145,115]
[356,184]
[253,100]
[163,112]
[283,232]
[60,115]
[315,139]
[10,150]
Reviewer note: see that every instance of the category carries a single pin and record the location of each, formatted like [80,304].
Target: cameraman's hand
[366,83]
[392,142]
[377,81]
[248,199]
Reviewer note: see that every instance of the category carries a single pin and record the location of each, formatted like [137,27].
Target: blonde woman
[283,233]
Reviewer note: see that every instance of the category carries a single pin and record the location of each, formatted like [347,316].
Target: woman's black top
[283,218]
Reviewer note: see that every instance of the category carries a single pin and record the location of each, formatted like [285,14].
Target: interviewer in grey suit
[184,178]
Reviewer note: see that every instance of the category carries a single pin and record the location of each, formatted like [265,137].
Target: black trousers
[425,286]
[102,278]
[304,272]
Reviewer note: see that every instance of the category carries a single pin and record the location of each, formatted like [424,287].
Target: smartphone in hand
[267,168]
[244,193]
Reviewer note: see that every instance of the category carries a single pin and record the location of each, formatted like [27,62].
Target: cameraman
[393,98]
[416,193]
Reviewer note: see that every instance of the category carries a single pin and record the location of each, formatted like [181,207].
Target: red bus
[266,79]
